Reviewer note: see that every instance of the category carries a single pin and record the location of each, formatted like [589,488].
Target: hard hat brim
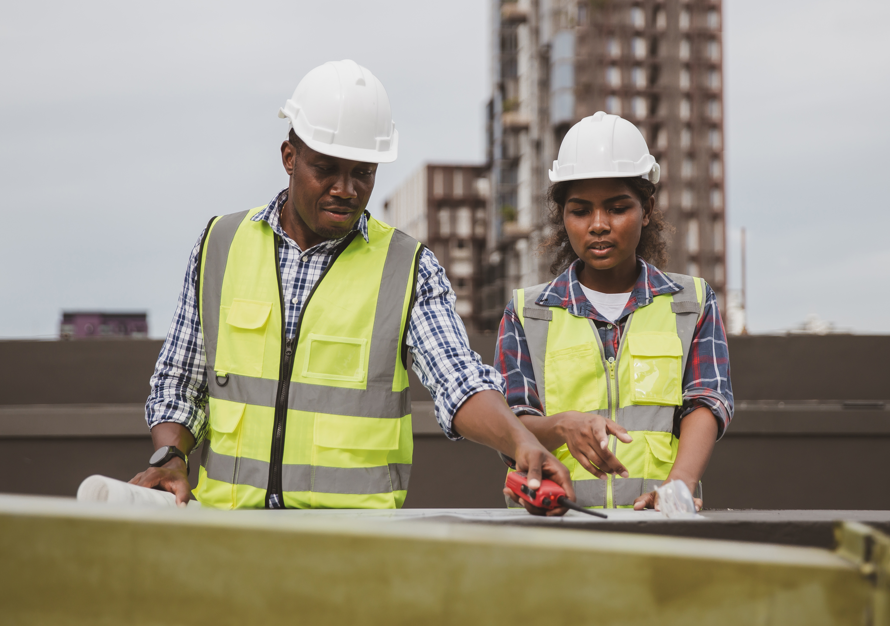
[355,154]
[557,179]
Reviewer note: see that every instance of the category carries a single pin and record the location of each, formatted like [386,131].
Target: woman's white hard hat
[342,110]
[604,146]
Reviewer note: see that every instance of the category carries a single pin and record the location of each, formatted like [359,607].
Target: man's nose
[344,187]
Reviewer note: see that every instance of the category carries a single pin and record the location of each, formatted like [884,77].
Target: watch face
[159,455]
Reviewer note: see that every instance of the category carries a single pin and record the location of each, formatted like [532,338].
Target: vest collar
[565,291]
[271,214]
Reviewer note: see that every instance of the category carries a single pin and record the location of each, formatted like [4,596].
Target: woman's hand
[650,500]
[587,437]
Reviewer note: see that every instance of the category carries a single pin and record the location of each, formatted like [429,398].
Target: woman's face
[604,218]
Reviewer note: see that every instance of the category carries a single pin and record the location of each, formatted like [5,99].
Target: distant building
[657,63]
[446,206]
[91,325]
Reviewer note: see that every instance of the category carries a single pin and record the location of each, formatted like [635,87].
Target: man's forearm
[485,418]
[172,434]
[698,433]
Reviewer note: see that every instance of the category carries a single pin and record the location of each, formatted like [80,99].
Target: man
[293,328]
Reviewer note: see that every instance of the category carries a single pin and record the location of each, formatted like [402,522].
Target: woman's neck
[618,279]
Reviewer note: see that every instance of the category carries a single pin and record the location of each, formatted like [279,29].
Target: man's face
[326,195]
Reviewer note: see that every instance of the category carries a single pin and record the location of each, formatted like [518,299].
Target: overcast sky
[124,127]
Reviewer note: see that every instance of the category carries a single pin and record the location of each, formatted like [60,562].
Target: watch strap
[171,451]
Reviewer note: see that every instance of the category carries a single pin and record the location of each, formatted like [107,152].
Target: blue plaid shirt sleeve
[443,360]
[179,383]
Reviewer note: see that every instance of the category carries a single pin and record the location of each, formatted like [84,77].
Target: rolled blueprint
[98,488]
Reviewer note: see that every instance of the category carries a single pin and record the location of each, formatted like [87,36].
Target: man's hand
[172,477]
[587,437]
[485,418]
[537,462]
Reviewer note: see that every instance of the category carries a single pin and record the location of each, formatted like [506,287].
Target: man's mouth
[339,213]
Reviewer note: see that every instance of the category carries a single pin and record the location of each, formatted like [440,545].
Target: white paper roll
[98,488]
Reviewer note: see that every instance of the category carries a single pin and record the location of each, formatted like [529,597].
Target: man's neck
[296,228]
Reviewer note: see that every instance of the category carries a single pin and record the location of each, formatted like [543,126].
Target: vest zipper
[613,403]
[288,349]
[614,399]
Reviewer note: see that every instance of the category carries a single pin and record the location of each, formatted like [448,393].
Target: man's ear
[288,157]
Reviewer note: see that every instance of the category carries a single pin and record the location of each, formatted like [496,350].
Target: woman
[620,368]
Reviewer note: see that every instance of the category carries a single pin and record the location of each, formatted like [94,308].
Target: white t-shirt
[609,305]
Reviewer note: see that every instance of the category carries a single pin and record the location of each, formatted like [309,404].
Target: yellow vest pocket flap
[660,447]
[654,344]
[248,314]
[225,416]
[356,433]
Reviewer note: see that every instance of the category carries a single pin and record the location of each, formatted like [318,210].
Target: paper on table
[98,488]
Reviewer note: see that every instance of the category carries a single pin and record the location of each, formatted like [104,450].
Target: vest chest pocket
[656,359]
[242,342]
[335,358]
[574,380]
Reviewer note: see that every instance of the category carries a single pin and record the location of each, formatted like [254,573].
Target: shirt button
[609,326]
[611,359]
[296,300]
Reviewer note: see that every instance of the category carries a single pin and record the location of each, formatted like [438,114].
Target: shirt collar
[565,291]
[271,214]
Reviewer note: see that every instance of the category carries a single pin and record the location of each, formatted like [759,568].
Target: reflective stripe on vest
[640,390]
[347,434]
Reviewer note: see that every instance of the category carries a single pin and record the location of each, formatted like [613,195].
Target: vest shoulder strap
[535,320]
[688,306]
[212,267]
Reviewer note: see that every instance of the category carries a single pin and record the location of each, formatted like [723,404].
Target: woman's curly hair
[652,247]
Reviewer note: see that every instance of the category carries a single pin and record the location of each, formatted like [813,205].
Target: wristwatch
[163,454]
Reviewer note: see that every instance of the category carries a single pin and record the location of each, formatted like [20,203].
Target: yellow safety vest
[322,420]
[641,389]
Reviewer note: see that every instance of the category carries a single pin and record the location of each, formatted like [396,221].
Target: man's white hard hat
[341,109]
[604,146]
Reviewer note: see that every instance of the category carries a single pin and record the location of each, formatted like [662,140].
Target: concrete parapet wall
[69,563]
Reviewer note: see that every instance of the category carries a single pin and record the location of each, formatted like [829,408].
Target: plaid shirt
[706,379]
[437,339]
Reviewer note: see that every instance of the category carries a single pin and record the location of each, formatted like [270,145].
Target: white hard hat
[604,146]
[341,109]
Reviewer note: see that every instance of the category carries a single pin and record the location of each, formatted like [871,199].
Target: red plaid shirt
[706,380]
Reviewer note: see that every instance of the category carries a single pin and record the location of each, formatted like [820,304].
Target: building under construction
[446,206]
[657,63]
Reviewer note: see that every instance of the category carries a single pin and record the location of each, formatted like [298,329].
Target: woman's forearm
[544,428]
[698,433]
